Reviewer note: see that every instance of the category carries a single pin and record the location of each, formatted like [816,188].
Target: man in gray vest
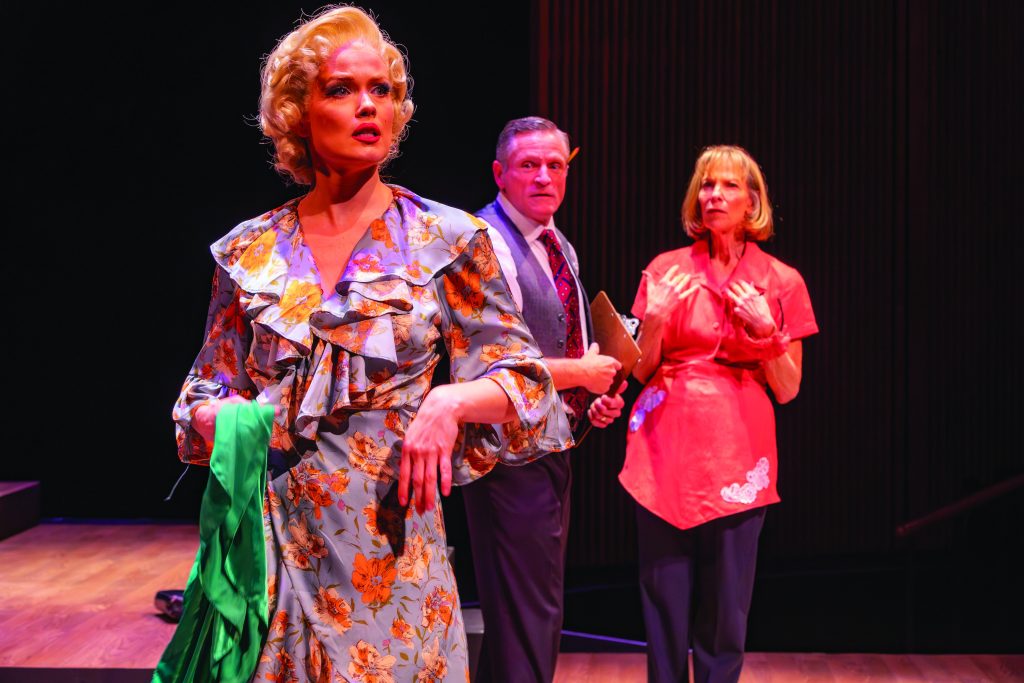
[519,516]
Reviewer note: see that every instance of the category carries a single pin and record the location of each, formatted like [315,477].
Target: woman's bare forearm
[649,342]
[481,401]
[785,372]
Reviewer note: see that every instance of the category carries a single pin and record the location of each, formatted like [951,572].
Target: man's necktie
[565,285]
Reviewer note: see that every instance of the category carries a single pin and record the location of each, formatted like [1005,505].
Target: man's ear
[498,171]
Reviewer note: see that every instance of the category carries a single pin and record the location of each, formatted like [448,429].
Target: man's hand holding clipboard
[614,338]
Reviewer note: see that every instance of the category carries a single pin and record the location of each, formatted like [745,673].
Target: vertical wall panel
[867,119]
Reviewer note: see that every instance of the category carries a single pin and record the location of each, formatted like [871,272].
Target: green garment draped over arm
[224,621]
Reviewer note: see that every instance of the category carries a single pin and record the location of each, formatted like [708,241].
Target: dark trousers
[518,523]
[695,586]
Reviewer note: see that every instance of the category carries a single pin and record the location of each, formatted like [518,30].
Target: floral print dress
[361,588]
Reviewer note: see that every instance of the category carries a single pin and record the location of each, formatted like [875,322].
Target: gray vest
[542,309]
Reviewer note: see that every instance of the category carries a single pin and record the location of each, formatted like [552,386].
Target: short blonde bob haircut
[292,68]
[759,221]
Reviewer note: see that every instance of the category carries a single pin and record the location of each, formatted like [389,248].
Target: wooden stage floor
[76,604]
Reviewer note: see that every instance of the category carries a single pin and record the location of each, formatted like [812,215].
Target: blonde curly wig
[292,68]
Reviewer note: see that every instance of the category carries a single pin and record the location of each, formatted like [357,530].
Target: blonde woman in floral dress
[329,307]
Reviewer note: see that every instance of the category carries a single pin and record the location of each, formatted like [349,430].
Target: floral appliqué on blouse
[757,480]
[650,399]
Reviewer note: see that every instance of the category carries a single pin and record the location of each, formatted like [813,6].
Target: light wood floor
[81,597]
[775,667]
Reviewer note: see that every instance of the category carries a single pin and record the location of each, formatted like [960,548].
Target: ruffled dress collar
[320,358]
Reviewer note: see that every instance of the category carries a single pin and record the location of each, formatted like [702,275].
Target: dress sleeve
[219,369]
[640,302]
[656,268]
[486,337]
[797,315]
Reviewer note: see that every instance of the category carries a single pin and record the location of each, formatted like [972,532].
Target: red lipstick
[367,132]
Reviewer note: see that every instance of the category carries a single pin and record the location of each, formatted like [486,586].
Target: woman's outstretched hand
[427,449]
[665,294]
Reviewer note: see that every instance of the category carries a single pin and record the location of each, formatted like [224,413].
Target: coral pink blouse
[701,439]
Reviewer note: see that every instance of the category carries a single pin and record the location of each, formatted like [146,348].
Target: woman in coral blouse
[329,307]
[722,323]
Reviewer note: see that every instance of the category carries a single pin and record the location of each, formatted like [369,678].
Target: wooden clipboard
[612,335]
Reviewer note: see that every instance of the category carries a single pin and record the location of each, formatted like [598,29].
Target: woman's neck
[726,248]
[338,203]
[335,215]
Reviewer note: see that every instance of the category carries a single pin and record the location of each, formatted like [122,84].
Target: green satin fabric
[224,621]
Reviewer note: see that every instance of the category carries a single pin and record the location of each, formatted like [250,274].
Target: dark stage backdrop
[889,133]
[132,138]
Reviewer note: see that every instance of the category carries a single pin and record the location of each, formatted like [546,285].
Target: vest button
[560,343]
[561,317]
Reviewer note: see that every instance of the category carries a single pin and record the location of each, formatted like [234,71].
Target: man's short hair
[527,124]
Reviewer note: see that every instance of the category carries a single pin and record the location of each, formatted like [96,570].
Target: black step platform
[19,507]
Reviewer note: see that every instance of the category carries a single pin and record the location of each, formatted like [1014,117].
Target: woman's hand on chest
[750,306]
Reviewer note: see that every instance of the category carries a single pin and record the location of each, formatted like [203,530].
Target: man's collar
[530,229]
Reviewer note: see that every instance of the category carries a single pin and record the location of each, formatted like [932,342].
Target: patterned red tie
[565,285]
